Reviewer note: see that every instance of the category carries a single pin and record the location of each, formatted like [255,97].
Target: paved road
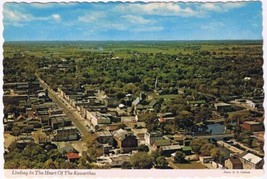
[261,154]
[230,147]
[73,114]
[215,136]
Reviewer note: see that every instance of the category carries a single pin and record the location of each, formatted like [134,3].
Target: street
[73,114]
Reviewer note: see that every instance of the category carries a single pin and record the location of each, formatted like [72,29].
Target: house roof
[136,101]
[120,134]
[252,158]
[251,122]
[235,160]
[73,155]
[104,134]
[152,102]
[187,148]
[222,104]
[171,147]
[162,142]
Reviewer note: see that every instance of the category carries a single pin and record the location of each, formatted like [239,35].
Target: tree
[215,153]
[206,149]
[179,157]
[197,143]
[154,155]
[161,162]
[142,148]
[126,165]
[141,160]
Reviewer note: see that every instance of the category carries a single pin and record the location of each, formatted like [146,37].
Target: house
[205,159]
[187,150]
[217,165]
[253,126]
[169,149]
[99,118]
[251,161]
[255,104]
[233,162]
[151,137]
[158,144]
[72,157]
[181,139]
[125,140]
[104,137]
[65,147]
[224,107]
[58,121]
[152,103]
[66,134]
[113,160]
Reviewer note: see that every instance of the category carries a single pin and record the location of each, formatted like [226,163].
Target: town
[83,105]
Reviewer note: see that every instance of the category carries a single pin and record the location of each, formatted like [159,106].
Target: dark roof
[235,160]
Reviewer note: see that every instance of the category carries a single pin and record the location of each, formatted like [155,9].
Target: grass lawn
[190,165]
[169,96]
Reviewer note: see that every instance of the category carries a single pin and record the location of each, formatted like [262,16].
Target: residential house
[66,134]
[169,149]
[205,159]
[158,144]
[151,137]
[59,121]
[72,157]
[253,126]
[125,140]
[233,162]
[99,118]
[113,160]
[223,107]
[255,104]
[104,137]
[251,161]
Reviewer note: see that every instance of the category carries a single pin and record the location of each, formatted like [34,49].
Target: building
[224,107]
[104,137]
[233,162]
[66,134]
[151,137]
[99,118]
[114,160]
[169,149]
[59,121]
[253,126]
[205,159]
[125,140]
[255,104]
[251,161]
[72,157]
[158,144]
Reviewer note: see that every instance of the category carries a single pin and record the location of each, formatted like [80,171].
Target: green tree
[179,157]
[161,162]
[142,148]
[126,165]
[141,160]
[197,143]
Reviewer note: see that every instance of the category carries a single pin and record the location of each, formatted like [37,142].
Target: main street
[76,118]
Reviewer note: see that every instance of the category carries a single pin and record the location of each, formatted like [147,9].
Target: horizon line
[130,40]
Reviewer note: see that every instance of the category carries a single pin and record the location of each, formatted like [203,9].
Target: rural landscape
[133,104]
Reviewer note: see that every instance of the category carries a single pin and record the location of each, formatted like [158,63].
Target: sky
[132,21]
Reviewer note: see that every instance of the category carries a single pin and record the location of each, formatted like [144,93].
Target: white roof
[252,158]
